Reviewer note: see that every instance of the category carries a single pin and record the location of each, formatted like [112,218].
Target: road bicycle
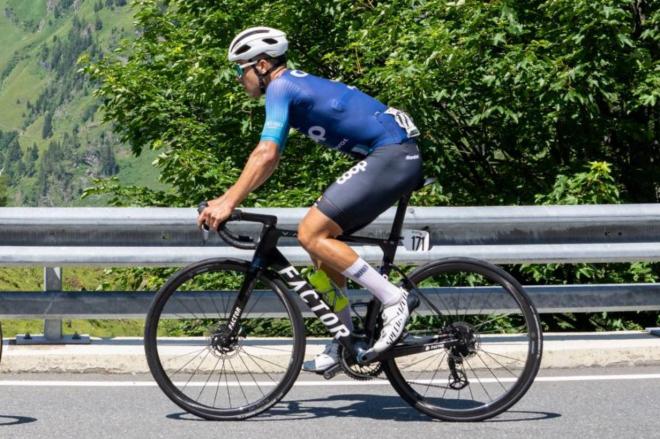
[471,348]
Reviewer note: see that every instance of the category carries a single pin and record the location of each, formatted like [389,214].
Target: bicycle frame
[268,257]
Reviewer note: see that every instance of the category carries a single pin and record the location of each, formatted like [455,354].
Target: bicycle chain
[356,371]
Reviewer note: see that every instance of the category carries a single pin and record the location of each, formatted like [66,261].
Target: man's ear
[262,66]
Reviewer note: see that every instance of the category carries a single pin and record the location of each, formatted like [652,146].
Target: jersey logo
[342,143]
[361,166]
[298,73]
[316,133]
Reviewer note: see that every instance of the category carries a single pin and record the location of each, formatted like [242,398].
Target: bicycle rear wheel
[492,342]
[196,362]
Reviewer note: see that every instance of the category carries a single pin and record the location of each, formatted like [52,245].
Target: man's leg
[317,233]
[334,275]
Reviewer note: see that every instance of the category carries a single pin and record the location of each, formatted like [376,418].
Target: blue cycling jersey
[329,112]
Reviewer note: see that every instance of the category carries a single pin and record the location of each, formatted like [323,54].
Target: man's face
[249,79]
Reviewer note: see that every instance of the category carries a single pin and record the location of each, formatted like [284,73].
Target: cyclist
[343,118]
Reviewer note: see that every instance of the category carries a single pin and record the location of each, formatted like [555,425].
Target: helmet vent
[270,41]
[247,34]
[243,49]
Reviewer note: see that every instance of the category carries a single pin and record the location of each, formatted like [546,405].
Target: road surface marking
[62,383]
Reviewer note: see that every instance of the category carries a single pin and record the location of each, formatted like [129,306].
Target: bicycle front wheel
[491,342]
[199,365]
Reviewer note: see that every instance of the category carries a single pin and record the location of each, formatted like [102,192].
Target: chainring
[357,371]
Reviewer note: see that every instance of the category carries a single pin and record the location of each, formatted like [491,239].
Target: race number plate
[416,240]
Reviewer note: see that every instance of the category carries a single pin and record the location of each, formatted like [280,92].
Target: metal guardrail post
[53,282]
[52,327]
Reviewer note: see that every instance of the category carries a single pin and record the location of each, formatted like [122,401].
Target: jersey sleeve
[276,127]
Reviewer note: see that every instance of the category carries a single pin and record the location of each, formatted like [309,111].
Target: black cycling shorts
[372,185]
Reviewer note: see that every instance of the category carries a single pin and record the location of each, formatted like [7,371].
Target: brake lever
[205,228]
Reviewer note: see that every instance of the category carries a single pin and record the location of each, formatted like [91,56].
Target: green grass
[73,279]
[139,170]
[11,36]
[94,328]
[26,81]
[28,11]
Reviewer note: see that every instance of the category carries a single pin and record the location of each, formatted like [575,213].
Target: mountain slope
[47,106]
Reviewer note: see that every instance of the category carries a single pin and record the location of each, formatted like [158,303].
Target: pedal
[330,373]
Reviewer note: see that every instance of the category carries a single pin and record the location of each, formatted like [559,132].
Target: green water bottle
[331,295]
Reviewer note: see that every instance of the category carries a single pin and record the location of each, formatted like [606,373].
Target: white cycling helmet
[257,41]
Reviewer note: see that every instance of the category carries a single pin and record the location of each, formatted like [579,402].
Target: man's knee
[310,234]
[305,235]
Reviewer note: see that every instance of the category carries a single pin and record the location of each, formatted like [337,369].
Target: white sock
[365,275]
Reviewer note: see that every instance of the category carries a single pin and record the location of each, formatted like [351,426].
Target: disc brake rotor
[222,344]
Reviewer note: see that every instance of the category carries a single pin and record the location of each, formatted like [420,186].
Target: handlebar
[239,241]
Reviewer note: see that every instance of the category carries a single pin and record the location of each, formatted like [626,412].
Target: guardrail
[58,237]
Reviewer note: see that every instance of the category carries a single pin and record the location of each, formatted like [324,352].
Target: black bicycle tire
[161,376]
[532,364]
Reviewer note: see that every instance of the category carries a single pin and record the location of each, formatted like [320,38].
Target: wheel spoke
[433,377]
[500,355]
[190,361]
[207,379]
[238,381]
[256,383]
[490,321]
[479,381]
[217,387]
[197,369]
[500,364]
[430,357]
[491,372]
[264,360]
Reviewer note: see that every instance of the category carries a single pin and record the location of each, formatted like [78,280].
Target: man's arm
[260,165]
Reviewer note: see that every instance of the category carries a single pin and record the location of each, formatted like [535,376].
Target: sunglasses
[240,68]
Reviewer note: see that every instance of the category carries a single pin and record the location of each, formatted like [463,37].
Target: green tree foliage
[507,94]
[11,156]
[4,184]
[47,129]
[594,186]
[109,164]
[30,160]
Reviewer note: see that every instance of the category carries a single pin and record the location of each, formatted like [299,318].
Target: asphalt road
[569,403]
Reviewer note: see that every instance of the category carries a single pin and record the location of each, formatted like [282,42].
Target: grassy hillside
[50,106]
[73,279]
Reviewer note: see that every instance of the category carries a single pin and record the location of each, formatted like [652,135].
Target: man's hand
[217,212]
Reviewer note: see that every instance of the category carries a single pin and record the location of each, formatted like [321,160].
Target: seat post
[397,225]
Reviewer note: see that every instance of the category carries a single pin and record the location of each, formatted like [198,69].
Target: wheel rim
[204,368]
[493,349]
